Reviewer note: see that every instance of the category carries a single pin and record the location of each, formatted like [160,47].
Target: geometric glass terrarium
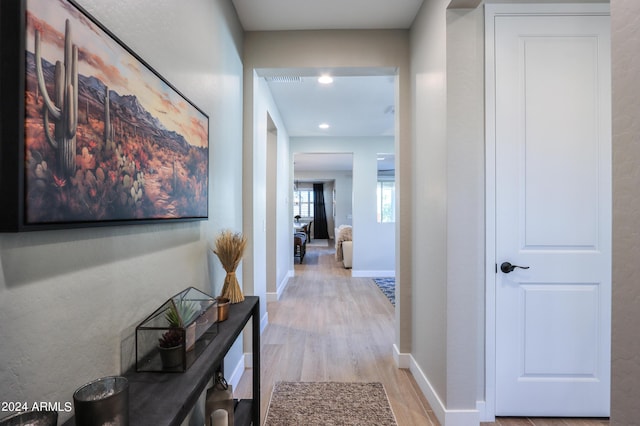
[175,334]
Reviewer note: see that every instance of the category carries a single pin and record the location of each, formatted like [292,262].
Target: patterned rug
[388,287]
[329,404]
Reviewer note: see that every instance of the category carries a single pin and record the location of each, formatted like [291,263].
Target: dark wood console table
[167,398]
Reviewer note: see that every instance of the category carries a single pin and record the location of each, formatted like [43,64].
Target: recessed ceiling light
[324,126]
[325,79]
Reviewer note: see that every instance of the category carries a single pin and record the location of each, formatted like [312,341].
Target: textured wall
[465,209]
[429,221]
[625,15]
[70,300]
[448,147]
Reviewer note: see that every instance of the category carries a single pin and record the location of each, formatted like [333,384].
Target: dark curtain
[319,213]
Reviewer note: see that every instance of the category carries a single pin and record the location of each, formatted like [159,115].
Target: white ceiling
[340,162]
[274,15]
[360,102]
[352,106]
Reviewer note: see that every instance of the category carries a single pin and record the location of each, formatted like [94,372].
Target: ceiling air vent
[284,79]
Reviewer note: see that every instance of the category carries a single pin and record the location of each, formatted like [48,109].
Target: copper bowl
[223,308]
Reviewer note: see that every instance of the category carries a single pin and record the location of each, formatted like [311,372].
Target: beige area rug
[329,404]
[318,243]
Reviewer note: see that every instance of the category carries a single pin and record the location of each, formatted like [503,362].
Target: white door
[553,215]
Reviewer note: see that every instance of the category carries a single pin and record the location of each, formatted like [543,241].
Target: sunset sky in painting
[100,56]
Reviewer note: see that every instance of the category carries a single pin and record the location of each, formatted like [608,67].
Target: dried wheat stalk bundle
[229,247]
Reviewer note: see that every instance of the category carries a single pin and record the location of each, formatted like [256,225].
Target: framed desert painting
[91,134]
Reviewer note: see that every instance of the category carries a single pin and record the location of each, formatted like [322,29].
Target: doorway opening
[348,111]
[335,172]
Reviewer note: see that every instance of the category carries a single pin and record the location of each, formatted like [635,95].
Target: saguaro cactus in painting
[63,110]
[108,131]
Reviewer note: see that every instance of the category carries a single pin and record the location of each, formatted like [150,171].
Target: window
[303,203]
[386,201]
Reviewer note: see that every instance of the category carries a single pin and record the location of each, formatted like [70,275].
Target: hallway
[330,327]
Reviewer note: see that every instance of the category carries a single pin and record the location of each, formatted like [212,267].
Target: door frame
[491,12]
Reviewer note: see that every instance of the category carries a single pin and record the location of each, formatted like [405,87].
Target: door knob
[507,267]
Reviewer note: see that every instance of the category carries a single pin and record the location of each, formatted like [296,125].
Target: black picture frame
[90,134]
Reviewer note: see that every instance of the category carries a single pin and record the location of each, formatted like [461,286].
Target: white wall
[429,287]
[465,204]
[373,242]
[68,299]
[448,222]
[256,169]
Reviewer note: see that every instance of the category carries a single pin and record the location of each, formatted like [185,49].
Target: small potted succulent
[172,343]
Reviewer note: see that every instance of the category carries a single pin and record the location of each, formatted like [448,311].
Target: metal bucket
[103,402]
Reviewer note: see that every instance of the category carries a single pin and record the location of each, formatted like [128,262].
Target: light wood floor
[328,326]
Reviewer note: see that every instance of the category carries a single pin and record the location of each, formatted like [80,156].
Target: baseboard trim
[446,417]
[274,297]
[372,274]
[481,406]
[284,283]
[402,360]
[264,322]
[236,375]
